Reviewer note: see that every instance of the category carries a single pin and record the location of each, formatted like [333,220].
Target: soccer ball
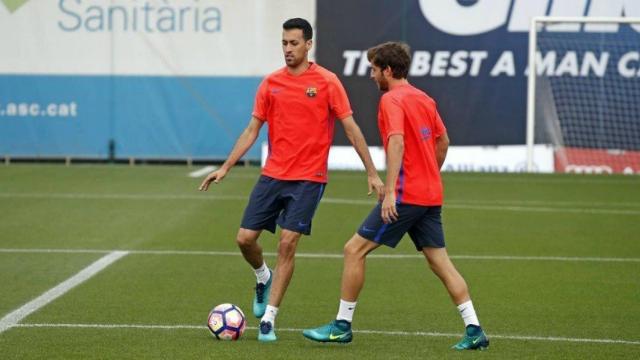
[226,322]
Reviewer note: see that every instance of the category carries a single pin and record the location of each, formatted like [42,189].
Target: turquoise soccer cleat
[266,332]
[261,299]
[474,339]
[338,331]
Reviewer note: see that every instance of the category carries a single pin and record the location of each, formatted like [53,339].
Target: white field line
[448,176]
[328,255]
[545,209]
[25,310]
[523,206]
[507,178]
[202,172]
[366,332]
[503,178]
[629,180]
[545,203]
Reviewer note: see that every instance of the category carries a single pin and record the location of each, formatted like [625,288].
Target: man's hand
[389,212]
[376,184]
[215,177]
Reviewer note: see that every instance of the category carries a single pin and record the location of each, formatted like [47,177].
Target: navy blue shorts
[290,204]
[423,223]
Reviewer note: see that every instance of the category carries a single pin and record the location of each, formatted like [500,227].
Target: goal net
[584,93]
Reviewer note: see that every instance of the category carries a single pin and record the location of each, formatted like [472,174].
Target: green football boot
[261,299]
[474,339]
[338,331]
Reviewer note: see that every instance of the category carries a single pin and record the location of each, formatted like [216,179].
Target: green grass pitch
[552,261]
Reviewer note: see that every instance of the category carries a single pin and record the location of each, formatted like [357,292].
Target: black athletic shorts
[290,204]
[423,223]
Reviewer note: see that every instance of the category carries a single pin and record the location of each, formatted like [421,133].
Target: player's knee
[351,250]
[438,264]
[244,240]
[445,269]
[287,247]
[435,267]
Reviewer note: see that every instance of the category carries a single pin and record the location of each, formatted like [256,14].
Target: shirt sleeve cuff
[259,116]
[344,115]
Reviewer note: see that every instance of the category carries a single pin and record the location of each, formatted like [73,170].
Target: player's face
[377,74]
[294,47]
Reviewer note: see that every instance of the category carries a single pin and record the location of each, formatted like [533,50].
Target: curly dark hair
[393,54]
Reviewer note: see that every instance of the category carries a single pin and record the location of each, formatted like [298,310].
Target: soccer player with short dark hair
[416,142]
[300,103]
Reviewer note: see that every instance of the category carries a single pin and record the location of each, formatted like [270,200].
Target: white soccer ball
[226,322]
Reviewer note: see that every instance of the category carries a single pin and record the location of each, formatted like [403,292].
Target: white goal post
[584,82]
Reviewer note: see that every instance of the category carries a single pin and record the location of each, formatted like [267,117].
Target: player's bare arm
[442,145]
[395,151]
[354,134]
[244,142]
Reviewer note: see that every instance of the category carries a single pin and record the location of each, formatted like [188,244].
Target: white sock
[262,273]
[346,310]
[270,315]
[468,314]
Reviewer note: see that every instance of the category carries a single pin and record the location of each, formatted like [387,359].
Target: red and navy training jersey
[408,111]
[300,112]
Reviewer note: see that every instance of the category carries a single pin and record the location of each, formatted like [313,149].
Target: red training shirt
[410,112]
[300,111]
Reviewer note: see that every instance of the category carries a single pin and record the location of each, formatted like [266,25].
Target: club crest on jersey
[312,92]
[426,133]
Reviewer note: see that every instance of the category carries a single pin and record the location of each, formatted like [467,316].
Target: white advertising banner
[145,37]
[343,157]
[504,158]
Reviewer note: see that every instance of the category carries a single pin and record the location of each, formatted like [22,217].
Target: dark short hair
[393,54]
[302,24]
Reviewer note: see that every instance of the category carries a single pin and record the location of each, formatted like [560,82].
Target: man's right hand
[376,184]
[389,212]
[214,177]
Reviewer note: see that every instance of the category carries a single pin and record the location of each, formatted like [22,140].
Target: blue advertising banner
[471,57]
[146,117]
